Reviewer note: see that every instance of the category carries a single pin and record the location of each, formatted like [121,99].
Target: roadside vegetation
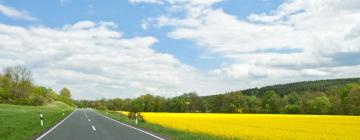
[20,122]
[17,87]
[21,103]
[332,97]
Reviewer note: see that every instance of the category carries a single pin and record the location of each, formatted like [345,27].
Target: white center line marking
[89,120]
[93,127]
[86,116]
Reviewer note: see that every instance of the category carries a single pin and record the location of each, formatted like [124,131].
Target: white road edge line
[93,127]
[132,127]
[47,132]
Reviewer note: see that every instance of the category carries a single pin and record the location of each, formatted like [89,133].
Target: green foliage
[302,87]
[319,105]
[292,109]
[354,100]
[16,87]
[65,96]
[65,93]
[340,96]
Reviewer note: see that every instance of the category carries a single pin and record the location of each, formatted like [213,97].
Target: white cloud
[176,2]
[318,29]
[146,1]
[64,2]
[94,60]
[15,13]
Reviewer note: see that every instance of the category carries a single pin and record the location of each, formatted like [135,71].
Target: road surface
[86,124]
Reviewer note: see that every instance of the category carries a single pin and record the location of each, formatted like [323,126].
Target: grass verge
[19,122]
[165,132]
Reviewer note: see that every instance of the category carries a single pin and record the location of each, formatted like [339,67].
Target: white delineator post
[63,112]
[136,116]
[41,119]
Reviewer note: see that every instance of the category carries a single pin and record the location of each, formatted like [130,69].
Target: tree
[271,102]
[204,106]
[344,97]
[315,97]
[145,101]
[266,97]
[292,109]
[65,93]
[193,102]
[336,106]
[275,103]
[40,95]
[354,100]
[65,96]
[5,85]
[293,98]
[20,81]
[320,105]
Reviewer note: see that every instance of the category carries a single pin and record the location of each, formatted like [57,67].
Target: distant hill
[284,89]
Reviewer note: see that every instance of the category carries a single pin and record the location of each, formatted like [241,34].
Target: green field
[22,122]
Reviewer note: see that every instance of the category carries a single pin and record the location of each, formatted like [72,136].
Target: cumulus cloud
[15,13]
[94,60]
[261,46]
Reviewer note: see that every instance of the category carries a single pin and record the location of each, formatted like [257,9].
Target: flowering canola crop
[262,126]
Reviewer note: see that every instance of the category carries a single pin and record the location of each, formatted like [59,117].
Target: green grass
[23,122]
[168,133]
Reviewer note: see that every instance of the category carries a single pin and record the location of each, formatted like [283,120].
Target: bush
[132,115]
[292,109]
[38,100]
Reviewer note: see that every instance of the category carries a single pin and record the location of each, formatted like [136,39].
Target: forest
[17,87]
[334,96]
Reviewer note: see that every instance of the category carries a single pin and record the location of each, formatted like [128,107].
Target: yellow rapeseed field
[262,126]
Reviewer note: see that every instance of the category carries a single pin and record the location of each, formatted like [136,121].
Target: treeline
[16,87]
[319,85]
[341,97]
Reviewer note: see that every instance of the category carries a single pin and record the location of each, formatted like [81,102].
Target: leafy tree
[65,93]
[293,98]
[320,105]
[20,81]
[354,100]
[336,104]
[266,98]
[292,109]
[272,100]
[65,96]
[337,96]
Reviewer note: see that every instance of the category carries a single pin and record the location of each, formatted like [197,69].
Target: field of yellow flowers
[262,126]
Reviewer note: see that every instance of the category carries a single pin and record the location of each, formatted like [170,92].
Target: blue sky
[128,17]
[221,44]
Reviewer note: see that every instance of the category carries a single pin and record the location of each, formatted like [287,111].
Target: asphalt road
[86,124]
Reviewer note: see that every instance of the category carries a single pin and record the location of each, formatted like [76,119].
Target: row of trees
[16,87]
[344,100]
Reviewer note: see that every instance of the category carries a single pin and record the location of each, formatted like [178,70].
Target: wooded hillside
[336,96]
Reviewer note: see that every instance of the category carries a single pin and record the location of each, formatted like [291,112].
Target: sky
[124,49]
